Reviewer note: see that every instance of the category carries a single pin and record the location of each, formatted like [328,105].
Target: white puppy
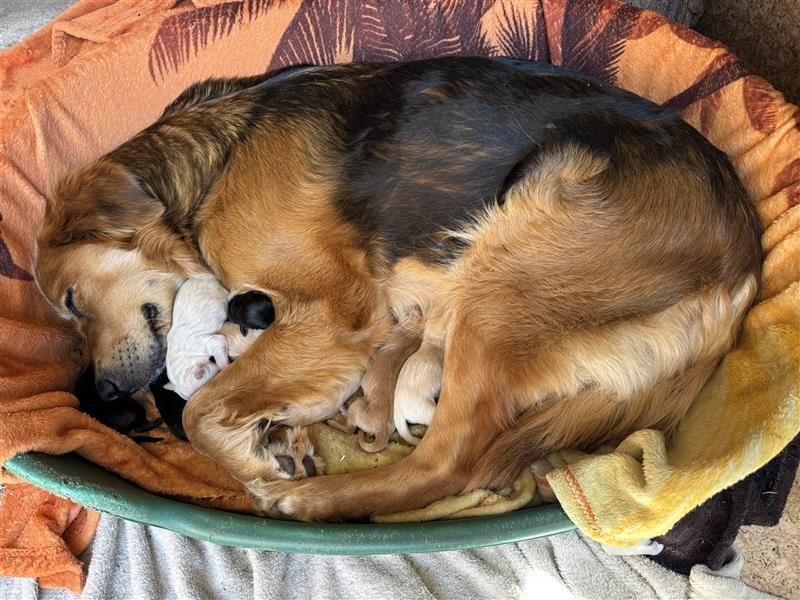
[418,386]
[200,309]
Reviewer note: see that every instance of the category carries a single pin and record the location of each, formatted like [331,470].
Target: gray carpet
[132,561]
[20,18]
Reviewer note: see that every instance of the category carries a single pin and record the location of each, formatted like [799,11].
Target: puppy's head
[106,258]
[251,310]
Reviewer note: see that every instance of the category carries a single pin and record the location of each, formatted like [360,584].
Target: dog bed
[105,70]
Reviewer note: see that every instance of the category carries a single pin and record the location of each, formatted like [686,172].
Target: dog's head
[106,258]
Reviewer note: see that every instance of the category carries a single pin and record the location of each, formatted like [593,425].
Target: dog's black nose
[108,390]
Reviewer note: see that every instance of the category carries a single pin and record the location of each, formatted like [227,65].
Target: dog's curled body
[584,257]
[199,311]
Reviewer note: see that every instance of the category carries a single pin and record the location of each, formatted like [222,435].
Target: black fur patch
[251,310]
[431,144]
[170,405]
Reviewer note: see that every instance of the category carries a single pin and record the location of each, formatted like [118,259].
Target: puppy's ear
[169,386]
[204,372]
[104,202]
[199,373]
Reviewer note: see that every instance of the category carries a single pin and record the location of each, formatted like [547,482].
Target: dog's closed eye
[150,311]
[69,302]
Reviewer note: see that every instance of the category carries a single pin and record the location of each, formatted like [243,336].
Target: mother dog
[582,257]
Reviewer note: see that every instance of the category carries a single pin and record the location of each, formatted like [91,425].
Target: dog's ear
[103,202]
[166,248]
[106,202]
[169,386]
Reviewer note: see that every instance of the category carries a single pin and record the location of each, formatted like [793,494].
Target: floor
[764,34]
[772,554]
[20,18]
[767,38]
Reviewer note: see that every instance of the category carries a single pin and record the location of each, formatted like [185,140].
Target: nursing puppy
[418,386]
[251,310]
[199,311]
[584,256]
[125,415]
[372,413]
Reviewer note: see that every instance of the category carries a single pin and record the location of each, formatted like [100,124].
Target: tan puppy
[371,413]
[417,390]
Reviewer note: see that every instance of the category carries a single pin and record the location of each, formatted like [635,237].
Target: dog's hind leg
[462,428]
[499,413]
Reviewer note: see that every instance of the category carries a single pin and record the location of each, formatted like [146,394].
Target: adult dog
[583,258]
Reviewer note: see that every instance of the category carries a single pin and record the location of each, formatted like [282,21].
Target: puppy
[197,316]
[251,310]
[371,413]
[417,390]
[124,414]
[238,342]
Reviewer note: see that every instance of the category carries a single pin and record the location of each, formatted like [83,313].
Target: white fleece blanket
[137,562]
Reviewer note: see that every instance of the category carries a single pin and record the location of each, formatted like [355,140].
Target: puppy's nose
[108,390]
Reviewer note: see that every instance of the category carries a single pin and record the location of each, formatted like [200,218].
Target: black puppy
[170,405]
[123,414]
[251,310]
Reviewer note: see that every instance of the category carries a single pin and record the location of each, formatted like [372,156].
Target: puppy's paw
[373,420]
[289,454]
[346,427]
[374,441]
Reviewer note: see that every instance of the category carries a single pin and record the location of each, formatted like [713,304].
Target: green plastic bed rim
[90,485]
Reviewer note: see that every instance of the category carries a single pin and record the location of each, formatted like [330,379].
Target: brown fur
[592,299]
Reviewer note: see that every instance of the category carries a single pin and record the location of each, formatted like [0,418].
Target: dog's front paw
[289,453]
